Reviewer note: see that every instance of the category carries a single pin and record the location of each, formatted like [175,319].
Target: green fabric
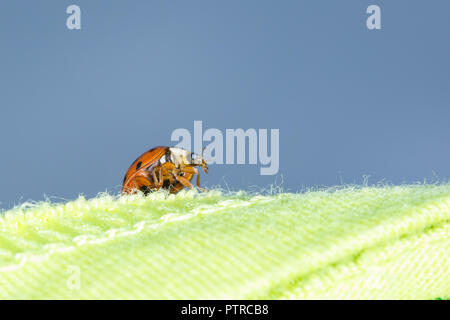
[354,243]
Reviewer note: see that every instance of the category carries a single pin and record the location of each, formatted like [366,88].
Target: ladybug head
[181,157]
[197,160]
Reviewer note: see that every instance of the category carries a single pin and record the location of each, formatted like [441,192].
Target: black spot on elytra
[166,184]
[139,164]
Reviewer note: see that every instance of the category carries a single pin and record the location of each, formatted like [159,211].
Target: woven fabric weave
[389,242]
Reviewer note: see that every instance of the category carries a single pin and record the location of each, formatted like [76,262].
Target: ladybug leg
[170,172]
[193,170]
[168,166]
[189,169]
[155,179]
[158,177]
[167,174]
[185,182]
[198,184]
[161,179]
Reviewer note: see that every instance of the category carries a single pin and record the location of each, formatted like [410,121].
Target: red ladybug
[163,167]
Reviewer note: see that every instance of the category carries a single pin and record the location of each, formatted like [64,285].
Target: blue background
[78,106]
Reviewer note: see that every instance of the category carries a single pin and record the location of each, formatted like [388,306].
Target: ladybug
[163,167]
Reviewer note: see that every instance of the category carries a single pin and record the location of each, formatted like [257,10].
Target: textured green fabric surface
[388,242]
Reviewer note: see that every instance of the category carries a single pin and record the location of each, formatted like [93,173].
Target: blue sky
[78,106]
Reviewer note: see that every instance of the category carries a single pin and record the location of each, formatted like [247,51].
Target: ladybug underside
[172,187]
